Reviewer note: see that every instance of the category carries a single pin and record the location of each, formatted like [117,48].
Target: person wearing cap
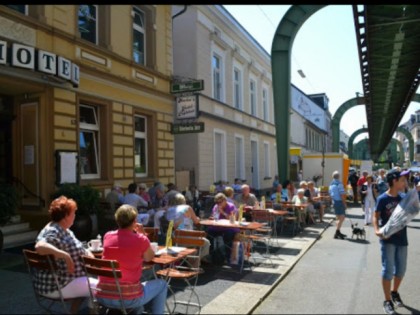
[338,195]
[393,249]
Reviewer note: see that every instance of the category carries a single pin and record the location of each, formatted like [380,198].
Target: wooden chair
[152,233]
[291,219]
[46,263]
[188,270]
[96,267]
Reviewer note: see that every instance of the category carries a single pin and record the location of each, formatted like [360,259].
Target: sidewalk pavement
[222,290]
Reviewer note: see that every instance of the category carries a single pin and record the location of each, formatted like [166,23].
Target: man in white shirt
[133,199]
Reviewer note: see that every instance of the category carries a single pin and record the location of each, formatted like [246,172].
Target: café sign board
[187,86]
[27,57]
[187,128]
[186,107]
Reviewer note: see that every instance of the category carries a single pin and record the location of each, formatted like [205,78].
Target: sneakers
[389,308]
[396,299]
[339,235]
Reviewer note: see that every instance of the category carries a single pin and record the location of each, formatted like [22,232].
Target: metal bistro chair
[96,267]
[187,270]
[37,263]
[264,234]
[291,219]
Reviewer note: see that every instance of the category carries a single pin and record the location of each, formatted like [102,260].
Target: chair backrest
[263,216]
[152,233]
[190,239]
[37,262]
[105,268]
[191,233]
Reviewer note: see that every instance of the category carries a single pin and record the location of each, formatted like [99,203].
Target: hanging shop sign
[27,57]
[187,86]
[186,107]
[187,128]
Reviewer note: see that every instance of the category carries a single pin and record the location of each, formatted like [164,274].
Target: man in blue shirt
[338,195]
[394,248]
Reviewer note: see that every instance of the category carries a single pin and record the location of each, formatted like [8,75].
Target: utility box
[323,165]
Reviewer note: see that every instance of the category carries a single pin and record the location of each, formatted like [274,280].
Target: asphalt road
[343,276]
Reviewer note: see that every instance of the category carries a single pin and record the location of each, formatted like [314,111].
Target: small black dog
[359,232]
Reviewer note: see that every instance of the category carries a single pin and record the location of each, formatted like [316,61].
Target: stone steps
[17,234]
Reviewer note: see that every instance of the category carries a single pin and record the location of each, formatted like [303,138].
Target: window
[237,88]
[265,104]
[89,142]
[253,98]
[88,22]
[22,8]
[217,77]
[266,160]
[140,145]
[418,133]
[139,34]
[418,149]
[239,158]
[219,156]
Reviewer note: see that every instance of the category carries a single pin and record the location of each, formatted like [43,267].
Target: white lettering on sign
[64,68]
[186,107]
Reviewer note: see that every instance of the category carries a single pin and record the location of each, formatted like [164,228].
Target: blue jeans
[154,290]
[394,260]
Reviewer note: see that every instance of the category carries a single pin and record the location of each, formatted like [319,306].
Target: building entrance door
[5,148]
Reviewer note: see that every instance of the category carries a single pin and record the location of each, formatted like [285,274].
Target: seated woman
[223,210]
[229,193]
[300,199]
[184,219]
[130,246]
[57,239]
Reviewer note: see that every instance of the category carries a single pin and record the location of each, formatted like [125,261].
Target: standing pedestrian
[360,183]
[353,178]
[338,195]
[369,189]
[394,248]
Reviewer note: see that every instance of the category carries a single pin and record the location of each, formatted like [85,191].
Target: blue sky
[325,49]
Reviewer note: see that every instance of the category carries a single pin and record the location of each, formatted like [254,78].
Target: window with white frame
[89,142]
[217,77]
[88,22]
[265,104]
[239,158]
[418,133]
[253,97]
[267,165]
[140,145]
[139,35]
[22,8]
[219,156]
[237,88]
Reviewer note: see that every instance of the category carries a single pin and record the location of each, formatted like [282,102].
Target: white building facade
[236,104]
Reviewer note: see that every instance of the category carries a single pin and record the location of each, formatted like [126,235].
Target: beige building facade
[84,83]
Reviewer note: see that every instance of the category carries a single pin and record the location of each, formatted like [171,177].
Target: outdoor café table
[245,227]
[276,214]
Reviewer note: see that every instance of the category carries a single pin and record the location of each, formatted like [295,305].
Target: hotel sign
[27,57]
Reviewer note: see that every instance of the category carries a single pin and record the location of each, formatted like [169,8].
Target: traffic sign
[187,86]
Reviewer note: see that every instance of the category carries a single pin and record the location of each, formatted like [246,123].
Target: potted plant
[9,201]
[87,199]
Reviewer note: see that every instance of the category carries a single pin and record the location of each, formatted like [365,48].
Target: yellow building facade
[84,82]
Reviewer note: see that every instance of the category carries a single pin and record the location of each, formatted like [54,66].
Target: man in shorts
[338,196]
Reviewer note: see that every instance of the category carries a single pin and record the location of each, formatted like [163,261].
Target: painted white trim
[240,68]
[254,79]
[267,159]
[215,50]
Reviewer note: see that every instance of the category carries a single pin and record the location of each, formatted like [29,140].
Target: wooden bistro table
[276,214]
[245,227]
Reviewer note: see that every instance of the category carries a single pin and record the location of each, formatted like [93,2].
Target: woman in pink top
[129,245]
